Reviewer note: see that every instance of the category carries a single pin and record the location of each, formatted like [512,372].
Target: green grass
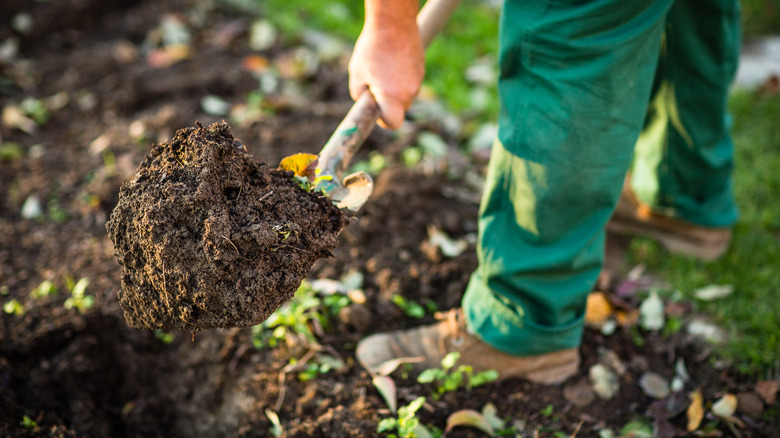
[752,312]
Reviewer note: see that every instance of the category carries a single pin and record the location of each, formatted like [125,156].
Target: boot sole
[673,243]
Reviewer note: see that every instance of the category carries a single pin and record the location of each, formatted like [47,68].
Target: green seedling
[164,337]
[43,290]
[295,318]
[28,423]
[78,297]
[406,425]
[410,308]
[448,378]
[13,307]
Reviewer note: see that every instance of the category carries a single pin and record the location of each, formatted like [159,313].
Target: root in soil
[209,238]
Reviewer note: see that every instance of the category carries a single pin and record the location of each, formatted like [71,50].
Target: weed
[43,290]
[409,307]
[164,337]
[448,378]
[547,411]
[406,425]
[28,422]
[78,297]
[13,307]
[297,317]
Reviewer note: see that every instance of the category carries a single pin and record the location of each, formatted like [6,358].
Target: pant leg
[575,81]
[685,156]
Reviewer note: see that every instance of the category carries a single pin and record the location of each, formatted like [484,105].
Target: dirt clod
[209,238]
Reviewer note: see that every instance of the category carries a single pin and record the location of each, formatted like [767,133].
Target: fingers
[391,110]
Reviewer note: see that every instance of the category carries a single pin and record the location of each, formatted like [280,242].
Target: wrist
[391,17]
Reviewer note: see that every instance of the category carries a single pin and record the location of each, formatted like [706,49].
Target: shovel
[353,191]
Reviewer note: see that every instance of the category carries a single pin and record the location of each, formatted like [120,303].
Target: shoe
[431,343]
[678,237]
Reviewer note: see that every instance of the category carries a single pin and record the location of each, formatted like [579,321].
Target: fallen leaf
[651,313]
[605,383]
[768,390]
[637,429]
[262,35]
[13,117]
[654,385]
[713,292]
[449,247]
[386,368]
[580,393]
[215,105]
[490,412]
[725,406]
[663,429]
[707,331]
[302,164]
[386,387]
[611,359]
[750,404]
[598,309]
[255,63]
[627,319]
[469,418]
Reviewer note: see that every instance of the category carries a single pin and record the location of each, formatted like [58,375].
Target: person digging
[590,92]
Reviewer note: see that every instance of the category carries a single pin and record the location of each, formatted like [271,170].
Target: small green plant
[406,425]
[294,317]
[78,297]
[448,378]
[43,290]
[410,308]
[310,185]
[547,411]
[13,307]
[163,336]
[28,423]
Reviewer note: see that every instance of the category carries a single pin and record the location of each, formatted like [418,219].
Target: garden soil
[74,373]
[209,238]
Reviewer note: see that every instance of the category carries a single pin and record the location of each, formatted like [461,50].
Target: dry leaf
[651,313]
[255,63]
[695,412]
[300,164]
[386,387]
[654,385]
[713,292]
[605,382]
[469,418]
[598,309]
[768,390]
[725,406]
[579,393]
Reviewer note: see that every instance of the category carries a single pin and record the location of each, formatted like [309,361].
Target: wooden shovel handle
[361,118]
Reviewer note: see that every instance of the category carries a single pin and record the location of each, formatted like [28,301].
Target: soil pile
[209,238]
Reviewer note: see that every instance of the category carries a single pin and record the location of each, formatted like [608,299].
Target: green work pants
[576,81]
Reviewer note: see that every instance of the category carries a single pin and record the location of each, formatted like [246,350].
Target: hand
[389,60]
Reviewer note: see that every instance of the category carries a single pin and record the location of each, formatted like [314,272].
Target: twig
[233,244]
[577,430]
[265,196]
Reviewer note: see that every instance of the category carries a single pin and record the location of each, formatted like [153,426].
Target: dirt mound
[209,238]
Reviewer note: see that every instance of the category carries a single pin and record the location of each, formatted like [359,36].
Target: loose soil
[90,374]
[209,238]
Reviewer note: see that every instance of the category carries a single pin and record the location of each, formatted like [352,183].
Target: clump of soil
[209,238]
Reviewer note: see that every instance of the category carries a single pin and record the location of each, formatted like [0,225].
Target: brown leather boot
[433,342]
[678,237]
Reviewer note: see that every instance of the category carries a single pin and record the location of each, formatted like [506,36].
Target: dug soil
[81,371]
[208,238]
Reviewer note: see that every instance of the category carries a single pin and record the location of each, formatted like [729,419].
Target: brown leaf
[598,309]
[768,390]
[749,403]
[579,393]
[695,412]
